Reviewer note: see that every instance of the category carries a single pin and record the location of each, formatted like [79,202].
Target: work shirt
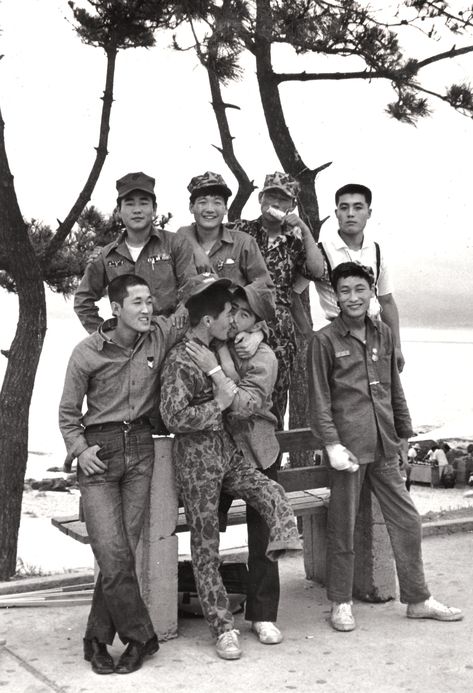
[120,384]
[355,393]
[187,399]
[250,420]
[234,255]
[166,262]
[338,252]
[285,256]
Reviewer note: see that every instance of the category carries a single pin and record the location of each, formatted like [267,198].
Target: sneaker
[268,633]
[341,617]
[431,608]
[228,646]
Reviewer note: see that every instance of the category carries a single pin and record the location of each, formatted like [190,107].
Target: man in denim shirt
[358,411]
[117,370]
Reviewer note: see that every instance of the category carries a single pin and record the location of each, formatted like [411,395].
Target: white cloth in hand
[341,459]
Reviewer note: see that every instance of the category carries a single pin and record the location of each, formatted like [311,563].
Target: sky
[162,123]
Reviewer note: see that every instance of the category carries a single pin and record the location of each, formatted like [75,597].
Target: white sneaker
[268,633]
[228,646]
[431,608]
[341,617]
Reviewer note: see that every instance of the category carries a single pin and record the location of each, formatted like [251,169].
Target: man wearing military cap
[226,252]
[288,248]
[157,255]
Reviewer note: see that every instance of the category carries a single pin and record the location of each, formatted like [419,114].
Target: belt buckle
[126,426]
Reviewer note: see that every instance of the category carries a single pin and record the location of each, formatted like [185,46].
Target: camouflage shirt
[187,400]
[284,257]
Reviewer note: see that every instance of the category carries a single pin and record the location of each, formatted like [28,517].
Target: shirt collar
[224,235]
[155,232]
[339,243]
[110,324]
[344,331]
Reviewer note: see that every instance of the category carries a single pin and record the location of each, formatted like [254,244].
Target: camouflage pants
[282,340]
[207,462]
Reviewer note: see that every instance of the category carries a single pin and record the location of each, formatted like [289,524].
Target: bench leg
[157,554]
[314,528]
[375,578]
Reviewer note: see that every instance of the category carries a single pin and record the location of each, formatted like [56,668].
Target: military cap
[201,282]
[208,183]
[260,299]
[135,181]
[282,182]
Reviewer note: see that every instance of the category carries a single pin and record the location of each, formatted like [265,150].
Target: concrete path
[386,654]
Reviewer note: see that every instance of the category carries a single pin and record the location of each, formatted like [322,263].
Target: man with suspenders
[353,209]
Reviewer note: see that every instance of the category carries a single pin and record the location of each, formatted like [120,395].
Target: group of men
[203,334]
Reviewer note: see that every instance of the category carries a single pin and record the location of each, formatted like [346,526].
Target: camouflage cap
[201,282]
[208,181]
[282,182]
[135,181]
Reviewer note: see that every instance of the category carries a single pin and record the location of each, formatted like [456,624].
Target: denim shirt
[355,393]
[120,384]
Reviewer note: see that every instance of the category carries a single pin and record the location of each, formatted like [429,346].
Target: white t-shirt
[338,252]
[438,456]
[135,250]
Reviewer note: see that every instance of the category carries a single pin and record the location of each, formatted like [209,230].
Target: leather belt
[124,426]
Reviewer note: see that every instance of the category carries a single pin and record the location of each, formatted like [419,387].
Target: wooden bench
[306,487]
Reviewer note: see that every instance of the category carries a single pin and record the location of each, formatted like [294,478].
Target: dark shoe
[97,654]
[132,659]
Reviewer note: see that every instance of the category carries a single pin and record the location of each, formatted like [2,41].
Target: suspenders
[329,266]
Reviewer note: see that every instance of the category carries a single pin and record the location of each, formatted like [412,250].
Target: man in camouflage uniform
[206,460]
[252,425]
[158,256]
[288,248]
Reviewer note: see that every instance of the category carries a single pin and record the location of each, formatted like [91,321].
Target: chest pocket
[228,269]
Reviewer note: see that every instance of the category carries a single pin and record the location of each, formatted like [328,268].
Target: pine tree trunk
[17,389]
[292,163]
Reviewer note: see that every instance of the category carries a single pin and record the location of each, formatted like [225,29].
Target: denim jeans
[402,521]
[114,503]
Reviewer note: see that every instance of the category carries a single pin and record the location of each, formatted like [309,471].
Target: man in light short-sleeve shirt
[353,209]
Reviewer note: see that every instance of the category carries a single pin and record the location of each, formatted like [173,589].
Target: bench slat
[303,502]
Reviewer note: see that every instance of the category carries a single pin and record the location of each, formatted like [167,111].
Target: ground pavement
[386,654]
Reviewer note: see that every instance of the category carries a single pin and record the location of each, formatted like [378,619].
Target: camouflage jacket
[284,258]
[187,400]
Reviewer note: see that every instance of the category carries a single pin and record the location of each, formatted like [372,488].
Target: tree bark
[65,227]
[27,271]
[293,164]
[25,350]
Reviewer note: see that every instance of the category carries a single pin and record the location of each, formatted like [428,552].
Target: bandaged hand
[341,458]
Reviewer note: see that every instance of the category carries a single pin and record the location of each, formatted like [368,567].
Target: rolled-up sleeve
[89,291]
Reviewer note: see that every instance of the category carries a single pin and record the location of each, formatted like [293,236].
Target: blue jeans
[114,503]
[402,521]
